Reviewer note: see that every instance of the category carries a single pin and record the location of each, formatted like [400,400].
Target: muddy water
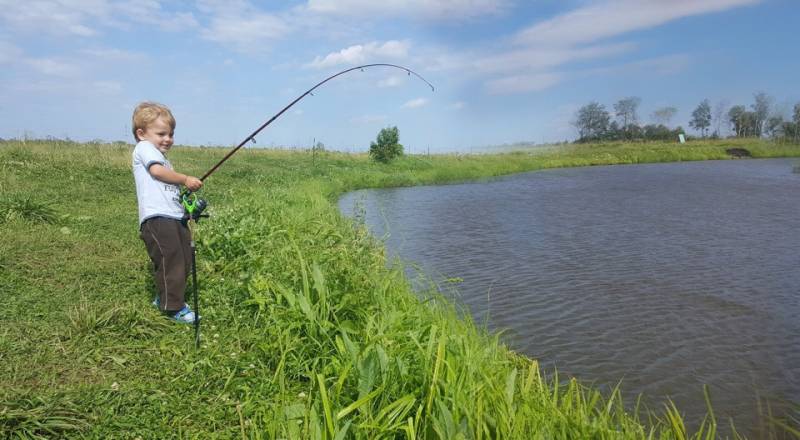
[663,276]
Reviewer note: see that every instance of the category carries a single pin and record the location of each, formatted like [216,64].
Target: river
[665,277]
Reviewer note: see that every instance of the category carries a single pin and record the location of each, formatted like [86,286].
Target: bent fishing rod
[195,206]
[308,92]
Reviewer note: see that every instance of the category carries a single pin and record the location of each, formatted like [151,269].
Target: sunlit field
[307,332]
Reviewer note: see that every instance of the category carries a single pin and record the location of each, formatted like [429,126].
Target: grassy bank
[307,333]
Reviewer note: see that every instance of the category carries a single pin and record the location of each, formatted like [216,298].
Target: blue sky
[504,70]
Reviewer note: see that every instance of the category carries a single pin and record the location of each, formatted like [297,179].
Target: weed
[39,418]
[26,208]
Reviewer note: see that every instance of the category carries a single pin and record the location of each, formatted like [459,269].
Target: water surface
[663,276]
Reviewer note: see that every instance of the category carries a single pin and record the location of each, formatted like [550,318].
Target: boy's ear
[139,133]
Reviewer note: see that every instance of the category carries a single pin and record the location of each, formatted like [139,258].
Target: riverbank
[306,333]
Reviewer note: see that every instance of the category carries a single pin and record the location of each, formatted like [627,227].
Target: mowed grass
[306,333]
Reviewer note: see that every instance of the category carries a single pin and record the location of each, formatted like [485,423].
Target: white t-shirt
[155,198]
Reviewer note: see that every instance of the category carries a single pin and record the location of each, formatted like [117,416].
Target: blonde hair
[147,112]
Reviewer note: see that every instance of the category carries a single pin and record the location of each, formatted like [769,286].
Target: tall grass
[307,332]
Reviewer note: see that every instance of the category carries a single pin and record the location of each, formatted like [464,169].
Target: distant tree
[761,108]
[701,117]
[774,126]
[386,146]
[664,115]
[660,132]
[736,119]
[625,110]
[718,116]
[792,129]
[591,121]
[633,131]
[614,132]
[796,115]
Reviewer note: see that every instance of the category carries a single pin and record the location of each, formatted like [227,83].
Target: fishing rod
[308,92]
[194,206]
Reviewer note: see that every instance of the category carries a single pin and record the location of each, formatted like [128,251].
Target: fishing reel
[193,206]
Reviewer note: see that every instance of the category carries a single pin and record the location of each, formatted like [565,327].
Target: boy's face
[159,133]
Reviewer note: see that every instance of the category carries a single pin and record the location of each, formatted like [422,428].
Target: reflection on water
[664,276]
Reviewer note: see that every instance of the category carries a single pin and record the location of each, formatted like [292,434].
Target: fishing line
[309,92]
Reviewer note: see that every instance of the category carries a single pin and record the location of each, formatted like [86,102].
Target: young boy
[166,237]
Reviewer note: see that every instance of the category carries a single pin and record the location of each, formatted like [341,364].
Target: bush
[387,146]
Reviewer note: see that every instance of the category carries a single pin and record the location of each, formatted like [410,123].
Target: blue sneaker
[184,316]
[157,303]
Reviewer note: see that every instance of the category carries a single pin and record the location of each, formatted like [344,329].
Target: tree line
[594,123]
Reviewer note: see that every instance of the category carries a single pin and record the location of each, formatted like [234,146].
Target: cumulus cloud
[361,53]
[420,9]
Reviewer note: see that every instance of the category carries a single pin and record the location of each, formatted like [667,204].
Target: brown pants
[168,244]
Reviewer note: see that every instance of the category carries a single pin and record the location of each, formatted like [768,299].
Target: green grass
[307,333]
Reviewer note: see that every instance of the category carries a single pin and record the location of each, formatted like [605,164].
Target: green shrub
[387,146]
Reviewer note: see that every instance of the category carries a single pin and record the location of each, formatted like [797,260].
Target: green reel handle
[189,201]
[193,205]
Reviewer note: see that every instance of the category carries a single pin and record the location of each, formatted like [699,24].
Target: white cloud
[368,119]
[53,67]
[573,36]
[53,17]
[522,83]
[543,58]
[392,81]
[246,30]
[72,87]
[361,53]
[151,12]
[420,9]
[84,18]
[107,87]
[666,65]
[112,54]
[9,53]
[610,18]
[415,103]
[458,105]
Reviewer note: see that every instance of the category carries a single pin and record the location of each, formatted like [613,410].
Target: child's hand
[193,183]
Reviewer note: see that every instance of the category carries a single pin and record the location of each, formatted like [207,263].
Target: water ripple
[665,276]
